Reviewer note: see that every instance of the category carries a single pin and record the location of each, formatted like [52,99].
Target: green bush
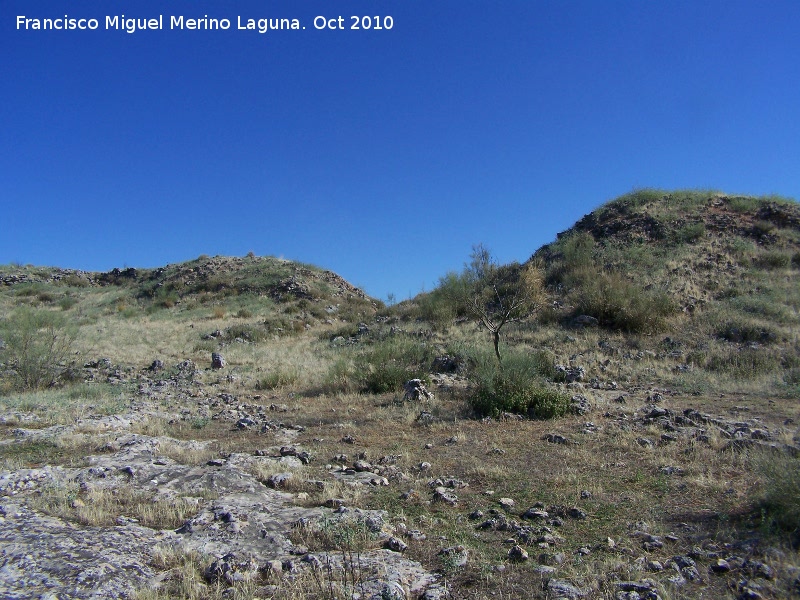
[444,304]
[633,200]
[381,378]
[38,345]
[341,377]
[247,332]
[277,379]
[690,233]
[518,387]
[747,363]
[746,332]
[386,365]
[74,280]
[744,204]
[67,302]
[781,490]
[620,304]
[774,260]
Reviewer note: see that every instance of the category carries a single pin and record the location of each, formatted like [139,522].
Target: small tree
[496,295]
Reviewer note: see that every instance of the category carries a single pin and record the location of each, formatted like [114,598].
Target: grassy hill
[644,421]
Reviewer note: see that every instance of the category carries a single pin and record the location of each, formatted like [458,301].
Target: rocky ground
[248,511]
[246,525]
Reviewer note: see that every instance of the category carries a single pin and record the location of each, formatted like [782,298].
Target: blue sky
[381,155]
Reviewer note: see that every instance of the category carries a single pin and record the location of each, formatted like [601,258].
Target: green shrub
[774,260]
[573,259]
[762,228]
[341,377]
[620,304]
[387,364]
[747,363]
[247,332]
[280,325]
[746,332]
[74,280]
[38,345]
[690,233]
[444,304]
[633,200]
[67,302]
[744,204]
[381,378]
[792,377]
[518,387]
[277,379]
[781,489]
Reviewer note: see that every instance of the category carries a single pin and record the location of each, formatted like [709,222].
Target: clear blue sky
[381,155]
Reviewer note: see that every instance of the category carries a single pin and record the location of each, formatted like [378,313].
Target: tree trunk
[497,347]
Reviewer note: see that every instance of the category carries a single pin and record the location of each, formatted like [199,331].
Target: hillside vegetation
[627,427]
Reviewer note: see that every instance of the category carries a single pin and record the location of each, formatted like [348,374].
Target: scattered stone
[556,438]
[636,590]
[455,556]
[671,470]
[518,553]
[217,361]
[425,418]
[720,566]
[585,321]
[442,494]
[395,545]
[230,569]
[534,514]
[564,589]
[580,405]
[506,504]
[757,568]
[446,364]
[415,391]
[571,374]
[544,570]
[279,480]
[576,513]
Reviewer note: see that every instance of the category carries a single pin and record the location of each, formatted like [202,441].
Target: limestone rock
[415,391]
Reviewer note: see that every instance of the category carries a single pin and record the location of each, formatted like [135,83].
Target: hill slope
[698,248]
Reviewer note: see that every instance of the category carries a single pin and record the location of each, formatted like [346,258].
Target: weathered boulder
[217,361]
[415,390]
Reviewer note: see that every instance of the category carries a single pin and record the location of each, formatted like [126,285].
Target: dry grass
[104,506]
